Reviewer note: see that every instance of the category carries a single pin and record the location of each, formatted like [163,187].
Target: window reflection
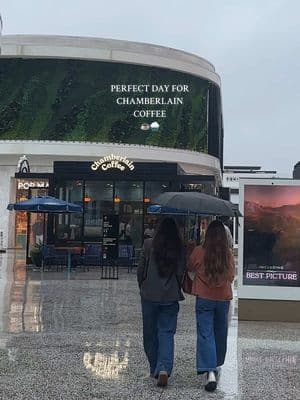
[108,366]
[98,200]
[129,206]
[68,226]
[152,190]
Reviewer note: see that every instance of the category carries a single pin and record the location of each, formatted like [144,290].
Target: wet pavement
[80,338]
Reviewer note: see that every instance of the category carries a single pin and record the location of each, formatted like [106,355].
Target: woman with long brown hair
[159,274]
[213,264]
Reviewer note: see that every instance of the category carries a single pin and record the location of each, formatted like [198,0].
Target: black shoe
[201,372]
[211,382]
[162,379]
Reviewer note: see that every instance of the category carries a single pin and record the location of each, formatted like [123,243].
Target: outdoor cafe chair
[54,258]
[91,257]
[126,256]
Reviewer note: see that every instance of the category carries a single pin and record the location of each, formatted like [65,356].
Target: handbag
[187,282]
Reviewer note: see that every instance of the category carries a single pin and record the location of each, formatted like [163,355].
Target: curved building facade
[67,100]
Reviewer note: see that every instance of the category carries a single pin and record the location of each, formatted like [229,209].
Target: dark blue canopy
[45,204]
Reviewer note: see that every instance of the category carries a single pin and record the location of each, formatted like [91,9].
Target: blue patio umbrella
[45,205]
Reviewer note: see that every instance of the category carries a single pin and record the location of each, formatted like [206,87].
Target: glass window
[205,187]
[27,188]
[68,227]
[128,204]
[98,200]
[21,221]
[152,189]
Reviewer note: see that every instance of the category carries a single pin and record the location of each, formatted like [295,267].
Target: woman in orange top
[213,264]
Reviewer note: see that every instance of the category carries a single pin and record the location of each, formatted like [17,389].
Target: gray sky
[254,45]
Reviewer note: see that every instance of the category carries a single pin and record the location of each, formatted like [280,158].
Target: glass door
[37,225]
[128,203]
[98,201]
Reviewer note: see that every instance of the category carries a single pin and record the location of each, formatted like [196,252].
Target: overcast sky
[254,45]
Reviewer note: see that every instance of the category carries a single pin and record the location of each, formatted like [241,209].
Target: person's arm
[181,267]
[141,266]
[193,260]
[232,267]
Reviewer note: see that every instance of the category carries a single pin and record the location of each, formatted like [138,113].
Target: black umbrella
[196,203]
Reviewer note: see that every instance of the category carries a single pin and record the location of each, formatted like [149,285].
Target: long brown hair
[217,257]
[167,247]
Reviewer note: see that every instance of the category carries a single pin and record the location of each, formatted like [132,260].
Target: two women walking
[161,269]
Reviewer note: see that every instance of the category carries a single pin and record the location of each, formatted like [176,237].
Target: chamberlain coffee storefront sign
[112,162]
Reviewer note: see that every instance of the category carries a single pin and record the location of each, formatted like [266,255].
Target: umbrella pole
[44,227]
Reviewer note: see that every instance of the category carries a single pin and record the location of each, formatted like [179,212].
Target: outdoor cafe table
[70,250]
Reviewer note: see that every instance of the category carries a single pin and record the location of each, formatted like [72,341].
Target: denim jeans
[159,328]
[212,327]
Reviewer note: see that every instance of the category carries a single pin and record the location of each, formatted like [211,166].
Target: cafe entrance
[118,197]
[122,195]
[29,226]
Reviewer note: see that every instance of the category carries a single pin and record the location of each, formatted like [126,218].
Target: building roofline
[110,50]
[241,167]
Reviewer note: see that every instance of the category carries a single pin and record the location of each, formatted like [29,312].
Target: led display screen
[271,235]
[76,100]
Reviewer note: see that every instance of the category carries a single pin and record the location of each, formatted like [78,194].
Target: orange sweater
[201,287]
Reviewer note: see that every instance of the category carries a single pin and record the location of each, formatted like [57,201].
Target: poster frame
[255,291]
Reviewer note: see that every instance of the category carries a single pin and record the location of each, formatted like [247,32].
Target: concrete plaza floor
[80,338]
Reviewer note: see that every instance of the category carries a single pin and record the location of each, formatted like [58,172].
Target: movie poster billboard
[271,253]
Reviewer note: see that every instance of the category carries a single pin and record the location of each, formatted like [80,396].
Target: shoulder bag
[187,281]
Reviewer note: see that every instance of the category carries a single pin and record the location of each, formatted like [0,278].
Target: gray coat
[152,286]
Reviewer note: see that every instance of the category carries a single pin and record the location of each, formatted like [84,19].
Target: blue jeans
[159,328]
[212,327]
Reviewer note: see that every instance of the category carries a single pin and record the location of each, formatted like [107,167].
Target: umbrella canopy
[235,208]
[195,203]
[45,204]
[157,209]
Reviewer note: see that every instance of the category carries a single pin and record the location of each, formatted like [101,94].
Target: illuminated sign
[271,234]
[115,103]
[113,161]
[21,184]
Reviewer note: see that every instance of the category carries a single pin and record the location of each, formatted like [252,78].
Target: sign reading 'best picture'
[94,101]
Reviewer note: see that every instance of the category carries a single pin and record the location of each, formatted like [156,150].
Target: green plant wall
[43,99]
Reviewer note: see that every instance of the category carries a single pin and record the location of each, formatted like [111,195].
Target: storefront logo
[113,161]
[23,165]
[31,184]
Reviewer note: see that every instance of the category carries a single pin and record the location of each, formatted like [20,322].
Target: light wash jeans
[212,327]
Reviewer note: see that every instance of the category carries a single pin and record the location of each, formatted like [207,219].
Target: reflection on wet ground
[80,338]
